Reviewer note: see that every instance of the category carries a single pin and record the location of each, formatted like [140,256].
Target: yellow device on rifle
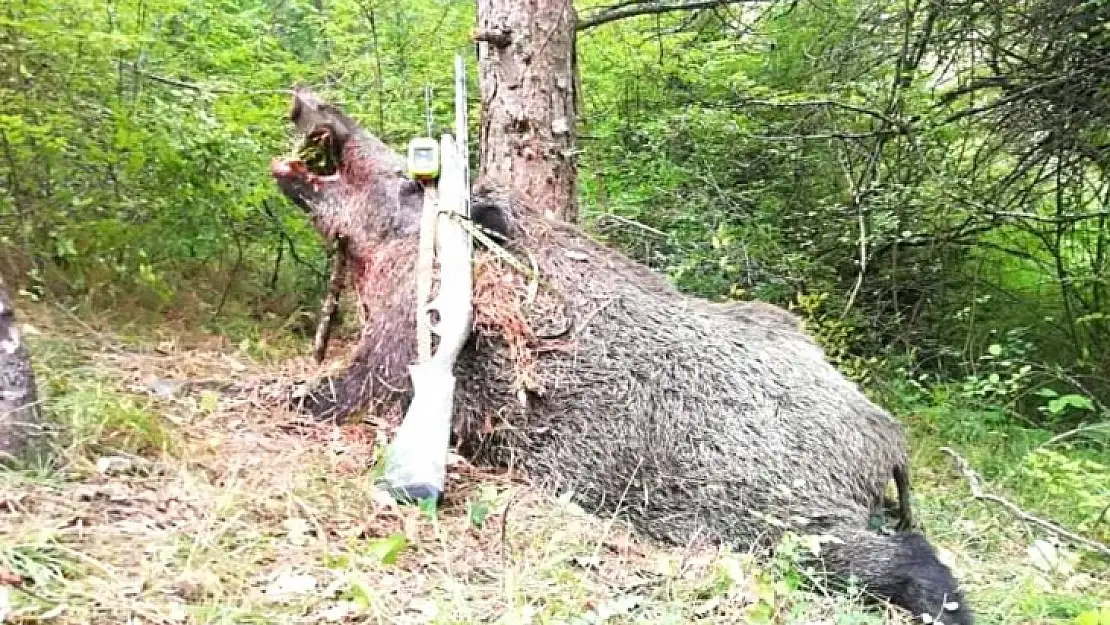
[423,161]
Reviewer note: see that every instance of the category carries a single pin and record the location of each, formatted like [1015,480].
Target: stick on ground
[331,299]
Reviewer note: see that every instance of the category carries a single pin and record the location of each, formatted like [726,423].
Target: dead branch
[845,136]
[1013,97]
[181,84]
[331,299]
[1053,220]
[855,108]
[624,10]
[975,484]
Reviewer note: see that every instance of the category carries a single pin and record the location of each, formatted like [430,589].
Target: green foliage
[1001,373]
[104,421]
[135,141]
[1059,404]
[92,413]
[1075,487]
[838,336]
[42,562]
[761,158]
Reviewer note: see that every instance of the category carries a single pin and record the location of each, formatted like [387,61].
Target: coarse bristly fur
[694,420]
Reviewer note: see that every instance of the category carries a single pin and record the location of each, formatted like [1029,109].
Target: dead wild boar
[693,420]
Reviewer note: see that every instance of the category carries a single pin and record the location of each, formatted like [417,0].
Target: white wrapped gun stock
[416,464]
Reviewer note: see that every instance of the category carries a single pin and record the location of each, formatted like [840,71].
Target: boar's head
[349,182]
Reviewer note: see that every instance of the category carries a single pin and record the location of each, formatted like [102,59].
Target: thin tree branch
[629,222]
[624,10]
[846,136]
[181,84]
[1012,97]
[1064,218]
[331,299]
[1090,427]
[368,13]
[289,239]
[827,103]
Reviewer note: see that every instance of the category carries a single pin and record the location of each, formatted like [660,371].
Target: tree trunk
[20,417]
[526,74]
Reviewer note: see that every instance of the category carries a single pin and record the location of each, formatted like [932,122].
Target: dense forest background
[926,181]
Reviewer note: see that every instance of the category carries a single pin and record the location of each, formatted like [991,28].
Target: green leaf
[386,550]
[477,511]
[359,593]
[65,248]
[995,349]
[1079,402]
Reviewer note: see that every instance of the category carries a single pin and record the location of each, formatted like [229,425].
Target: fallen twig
[976,485]
[505,555]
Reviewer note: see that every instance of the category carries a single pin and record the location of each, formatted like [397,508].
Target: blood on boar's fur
[697,420]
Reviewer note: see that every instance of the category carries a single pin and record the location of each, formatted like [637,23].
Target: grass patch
[100,421]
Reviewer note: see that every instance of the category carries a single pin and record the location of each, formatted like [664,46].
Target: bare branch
[1065,218]
[331,299]
[630,222]
[1090,427]
[624,10]
[827,103]
[181,84]
[1013,97]
[846,136]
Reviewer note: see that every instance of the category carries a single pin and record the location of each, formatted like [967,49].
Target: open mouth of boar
[315,156]
[318,152]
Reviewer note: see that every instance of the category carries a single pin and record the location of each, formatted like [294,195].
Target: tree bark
[526,75]
[20,416]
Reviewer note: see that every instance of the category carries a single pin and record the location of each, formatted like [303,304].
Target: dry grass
[231,510]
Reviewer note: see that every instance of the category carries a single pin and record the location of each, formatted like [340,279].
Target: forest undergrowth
[184,492]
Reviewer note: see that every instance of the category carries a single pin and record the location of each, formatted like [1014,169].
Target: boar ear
[309,112]
[304,103]
[296,109]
